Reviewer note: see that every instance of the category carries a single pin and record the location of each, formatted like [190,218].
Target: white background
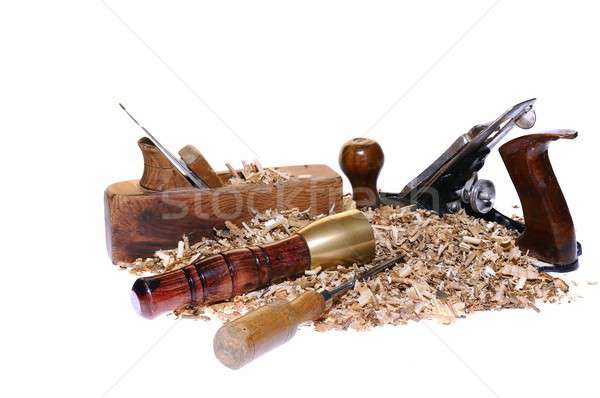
[294,81]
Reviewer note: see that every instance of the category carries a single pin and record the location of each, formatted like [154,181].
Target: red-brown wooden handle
[221,277]
[361,159]
[549,231]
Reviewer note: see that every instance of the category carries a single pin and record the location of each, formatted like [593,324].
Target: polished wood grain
[159,174]
[549,231]
[361,159]
[139,221]
[244,339]
[221,277]
[200,166]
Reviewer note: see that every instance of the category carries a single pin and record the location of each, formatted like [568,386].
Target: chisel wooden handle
[221,277]
[339,239]
[200,166]
[242,340]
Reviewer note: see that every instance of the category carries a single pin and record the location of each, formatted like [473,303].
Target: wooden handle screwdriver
[244,339]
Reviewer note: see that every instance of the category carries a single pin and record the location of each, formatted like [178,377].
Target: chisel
[344,238]
[242,340]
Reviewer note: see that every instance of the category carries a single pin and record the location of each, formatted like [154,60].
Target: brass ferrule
[340,239]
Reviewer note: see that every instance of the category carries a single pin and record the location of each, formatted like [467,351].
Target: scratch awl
[242,340]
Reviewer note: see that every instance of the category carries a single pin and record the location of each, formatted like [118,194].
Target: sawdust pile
[455,265]
[254,173]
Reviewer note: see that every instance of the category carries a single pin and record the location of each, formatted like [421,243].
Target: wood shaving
[455,265]
[254,173]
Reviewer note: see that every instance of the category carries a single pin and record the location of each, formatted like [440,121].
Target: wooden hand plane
[153,213]
[177,197]
[451,183]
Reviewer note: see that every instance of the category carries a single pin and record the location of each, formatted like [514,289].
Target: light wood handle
[200,166]
[244,339]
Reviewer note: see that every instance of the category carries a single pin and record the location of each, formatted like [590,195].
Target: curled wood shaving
[264,228]
[254,173]
[455,265]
